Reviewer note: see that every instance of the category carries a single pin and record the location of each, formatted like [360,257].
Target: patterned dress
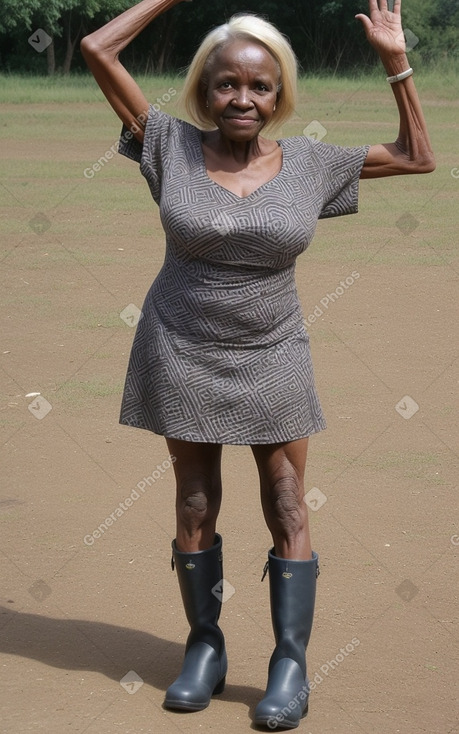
[221,353]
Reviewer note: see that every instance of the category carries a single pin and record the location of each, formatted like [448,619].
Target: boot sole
[269,721]
[190,706]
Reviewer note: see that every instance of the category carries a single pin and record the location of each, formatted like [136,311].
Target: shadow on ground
[77,644]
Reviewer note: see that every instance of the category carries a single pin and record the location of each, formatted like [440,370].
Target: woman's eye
[225,85]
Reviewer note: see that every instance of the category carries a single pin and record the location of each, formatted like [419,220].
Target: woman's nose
[242,98]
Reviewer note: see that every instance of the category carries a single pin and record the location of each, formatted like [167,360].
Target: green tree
[66,19]
[324,33]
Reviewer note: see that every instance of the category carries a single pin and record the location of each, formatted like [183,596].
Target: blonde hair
[255,29]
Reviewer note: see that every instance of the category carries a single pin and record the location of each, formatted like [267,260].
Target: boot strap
[266,568]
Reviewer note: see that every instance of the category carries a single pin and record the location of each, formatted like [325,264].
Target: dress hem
[317,429]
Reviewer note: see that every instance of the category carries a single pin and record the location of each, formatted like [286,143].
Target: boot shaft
[292,587]
[200,577]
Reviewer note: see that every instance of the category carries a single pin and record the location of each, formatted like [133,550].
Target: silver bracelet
[399,77]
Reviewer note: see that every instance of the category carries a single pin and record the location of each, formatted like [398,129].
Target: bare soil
[76,617]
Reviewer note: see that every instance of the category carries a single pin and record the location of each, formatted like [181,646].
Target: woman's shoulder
[160,121]
[163,133]
[299,153]
[302,143]
[311,149]
[301,147]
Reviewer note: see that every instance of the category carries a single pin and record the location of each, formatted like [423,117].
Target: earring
[207,104]
[274,108]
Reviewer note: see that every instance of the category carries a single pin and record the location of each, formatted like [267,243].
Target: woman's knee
[198,501]
[286,505]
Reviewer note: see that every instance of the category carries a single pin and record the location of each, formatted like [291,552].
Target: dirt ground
[91,627]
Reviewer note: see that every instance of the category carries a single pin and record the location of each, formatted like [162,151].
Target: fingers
[382,5]
[366,22]
[372,6]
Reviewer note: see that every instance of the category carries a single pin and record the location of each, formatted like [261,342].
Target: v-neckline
[228,191]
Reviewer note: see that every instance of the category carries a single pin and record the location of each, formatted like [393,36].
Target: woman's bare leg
[281,469]
[198,475]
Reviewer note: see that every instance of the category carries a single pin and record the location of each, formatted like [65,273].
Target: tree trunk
[51,59]
[71,43]
[69,51]
[163,51]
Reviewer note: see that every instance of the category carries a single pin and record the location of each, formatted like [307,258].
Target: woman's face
[241,92]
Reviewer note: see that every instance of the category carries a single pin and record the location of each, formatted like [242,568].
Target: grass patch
[80,393]
[54,129]
[412,464]
[74,88]
[442,80]
[88,319]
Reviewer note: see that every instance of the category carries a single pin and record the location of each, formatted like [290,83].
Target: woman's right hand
[101,50]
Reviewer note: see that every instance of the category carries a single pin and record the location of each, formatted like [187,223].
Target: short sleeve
[340,170]
[153,152]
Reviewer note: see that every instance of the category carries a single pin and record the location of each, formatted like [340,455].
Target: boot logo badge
[287,575]
[190,566]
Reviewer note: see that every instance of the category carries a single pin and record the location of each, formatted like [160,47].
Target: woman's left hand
[411,152]
[384,27]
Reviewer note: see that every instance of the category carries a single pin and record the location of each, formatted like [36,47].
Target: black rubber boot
[200,576]
[292,592]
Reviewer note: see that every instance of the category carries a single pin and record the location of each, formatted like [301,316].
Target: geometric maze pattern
[221,353]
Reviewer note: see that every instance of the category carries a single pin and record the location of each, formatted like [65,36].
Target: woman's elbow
[425,163]
[86,47]
[431,164]
[89,47]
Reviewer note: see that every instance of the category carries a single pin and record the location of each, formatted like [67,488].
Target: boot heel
[220,687]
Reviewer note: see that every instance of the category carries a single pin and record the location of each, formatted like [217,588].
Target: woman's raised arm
[101,50]
[411,152]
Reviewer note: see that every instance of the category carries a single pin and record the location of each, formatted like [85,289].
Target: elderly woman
[221,355]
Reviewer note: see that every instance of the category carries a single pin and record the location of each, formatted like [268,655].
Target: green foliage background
[325,35]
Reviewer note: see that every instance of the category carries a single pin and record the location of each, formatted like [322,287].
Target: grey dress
[221,353]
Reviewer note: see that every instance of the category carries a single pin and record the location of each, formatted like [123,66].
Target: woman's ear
[203,95]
